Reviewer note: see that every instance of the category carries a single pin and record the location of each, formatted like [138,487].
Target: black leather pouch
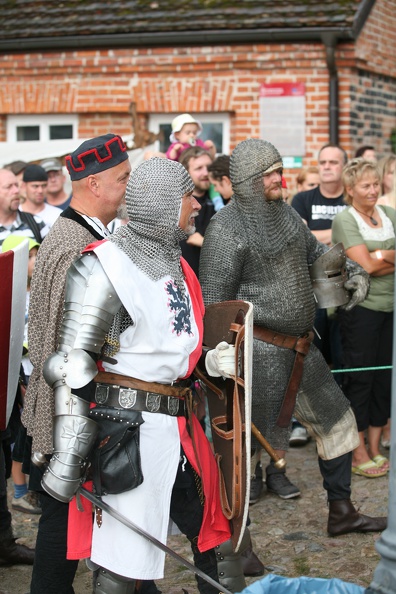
[115,461]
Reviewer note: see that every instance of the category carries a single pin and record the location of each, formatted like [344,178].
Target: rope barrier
[361,369]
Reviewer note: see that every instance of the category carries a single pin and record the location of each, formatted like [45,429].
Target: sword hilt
[278,461]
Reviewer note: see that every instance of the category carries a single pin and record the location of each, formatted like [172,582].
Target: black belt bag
[115,461]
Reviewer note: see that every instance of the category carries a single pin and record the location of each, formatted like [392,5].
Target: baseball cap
[13,240]
[51,165]
[34,173]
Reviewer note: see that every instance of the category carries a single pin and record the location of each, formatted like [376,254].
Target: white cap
[178,123]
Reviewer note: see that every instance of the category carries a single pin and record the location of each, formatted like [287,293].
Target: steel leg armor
[229,564]
[107,582]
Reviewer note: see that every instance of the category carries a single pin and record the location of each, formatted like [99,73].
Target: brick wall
[99,85]
[377,40]
[373,110]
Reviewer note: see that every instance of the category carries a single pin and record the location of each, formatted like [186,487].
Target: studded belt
[130,397]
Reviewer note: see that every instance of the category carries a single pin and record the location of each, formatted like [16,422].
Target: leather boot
[344,518]
[251,564]
[12,553]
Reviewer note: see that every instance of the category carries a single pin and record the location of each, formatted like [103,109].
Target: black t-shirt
[316,209]
[192,252]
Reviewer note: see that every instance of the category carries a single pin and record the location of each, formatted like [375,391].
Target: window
[41,128]
[216,127]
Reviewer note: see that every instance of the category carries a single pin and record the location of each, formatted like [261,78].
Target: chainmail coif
[249,161]
[152,235]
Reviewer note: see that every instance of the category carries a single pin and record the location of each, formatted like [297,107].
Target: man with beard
[144,330]
[99,172]
[197,160]
[258,249]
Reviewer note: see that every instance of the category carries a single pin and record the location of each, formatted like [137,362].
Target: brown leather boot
[344,518]
[251,564]
[12,553]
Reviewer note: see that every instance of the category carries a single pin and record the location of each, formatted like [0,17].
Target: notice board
[282,117]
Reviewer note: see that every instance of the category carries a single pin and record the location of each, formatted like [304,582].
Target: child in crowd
[23,500]
[185,132]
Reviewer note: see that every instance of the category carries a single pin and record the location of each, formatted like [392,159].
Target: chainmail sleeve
[353,268]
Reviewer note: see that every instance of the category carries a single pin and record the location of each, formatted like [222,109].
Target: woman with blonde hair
[387,169]
[368,234]
[307,178]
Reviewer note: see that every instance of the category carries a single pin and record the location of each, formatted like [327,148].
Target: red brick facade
[99,85]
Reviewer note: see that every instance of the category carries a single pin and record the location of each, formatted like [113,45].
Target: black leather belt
[117,396]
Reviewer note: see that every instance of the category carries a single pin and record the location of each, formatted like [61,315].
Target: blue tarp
[276,584]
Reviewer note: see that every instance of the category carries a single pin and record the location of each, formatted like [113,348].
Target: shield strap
[232,504]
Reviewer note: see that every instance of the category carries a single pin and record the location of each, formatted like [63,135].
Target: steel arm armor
[91,303]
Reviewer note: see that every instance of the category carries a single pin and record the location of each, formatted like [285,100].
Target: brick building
[71,70]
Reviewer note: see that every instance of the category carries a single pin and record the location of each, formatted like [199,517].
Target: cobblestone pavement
[289,536]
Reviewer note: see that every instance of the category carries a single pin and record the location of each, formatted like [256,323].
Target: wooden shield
[13,274]
[229,402]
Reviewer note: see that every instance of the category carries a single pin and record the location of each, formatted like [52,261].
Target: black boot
[147,587]
[12,553]
[344,518]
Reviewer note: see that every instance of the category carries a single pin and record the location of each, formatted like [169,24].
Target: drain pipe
[330,43]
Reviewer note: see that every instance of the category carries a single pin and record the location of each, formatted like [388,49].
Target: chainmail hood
[152,235]
[242,169]
[269,225]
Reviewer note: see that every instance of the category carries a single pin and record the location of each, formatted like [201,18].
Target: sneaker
[256,484]
[27,504]
[299,436]
[278,483]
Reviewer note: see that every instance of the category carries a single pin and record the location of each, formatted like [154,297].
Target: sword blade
[121,518]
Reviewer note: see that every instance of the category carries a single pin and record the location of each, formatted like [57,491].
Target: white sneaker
[299,436]
[27,504]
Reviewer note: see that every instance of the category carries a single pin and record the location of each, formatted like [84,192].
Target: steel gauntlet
[74,436]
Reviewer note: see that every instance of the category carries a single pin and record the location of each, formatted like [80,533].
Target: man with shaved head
[99,169]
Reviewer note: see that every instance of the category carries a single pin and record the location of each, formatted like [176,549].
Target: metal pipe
[330,43]
[172,38]
[384,579]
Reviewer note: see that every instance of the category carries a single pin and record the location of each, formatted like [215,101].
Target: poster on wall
[282,119]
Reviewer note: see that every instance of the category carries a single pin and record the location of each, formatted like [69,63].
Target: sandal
[381,462]
[362,469]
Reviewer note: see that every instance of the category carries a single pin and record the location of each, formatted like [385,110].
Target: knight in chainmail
[258,249]
[134,307]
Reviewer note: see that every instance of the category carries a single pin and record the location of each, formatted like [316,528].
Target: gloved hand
[358,285]
[221,360]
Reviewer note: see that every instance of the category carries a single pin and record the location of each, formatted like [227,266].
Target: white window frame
[43,121]
[224,118]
